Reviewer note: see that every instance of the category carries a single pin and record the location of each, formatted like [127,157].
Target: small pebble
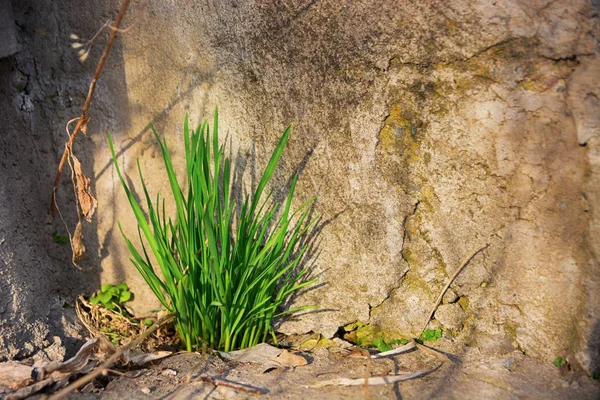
[145,390]
[508,363]
[168,372]
[18,80]
[574,385]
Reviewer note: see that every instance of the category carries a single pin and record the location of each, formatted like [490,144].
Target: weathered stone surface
[451,316]
[8,34]
[425,134]
[449,297]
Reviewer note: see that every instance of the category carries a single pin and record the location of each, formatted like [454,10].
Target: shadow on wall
[593,350]
[43,87]
[122,146]
[242,161]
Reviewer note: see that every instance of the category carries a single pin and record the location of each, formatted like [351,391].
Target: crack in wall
[401,279]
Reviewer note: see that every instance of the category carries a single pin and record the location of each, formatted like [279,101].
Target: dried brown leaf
[74,364]
[87,202]
[287,359]
[258,354]
[77,243]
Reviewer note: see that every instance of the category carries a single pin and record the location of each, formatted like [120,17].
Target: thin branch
[111,360]
[84,118]
[373,381]
[439,299]
[399,350]
[233,385]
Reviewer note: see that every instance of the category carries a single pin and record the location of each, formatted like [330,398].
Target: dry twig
[111,360]
[399,350]
[233,385]
[380,380]
[84,118]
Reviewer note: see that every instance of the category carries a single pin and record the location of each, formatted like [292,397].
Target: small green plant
[431,335]
[59,239]
[112,296]
[226,273]
[383,346]
[559,362]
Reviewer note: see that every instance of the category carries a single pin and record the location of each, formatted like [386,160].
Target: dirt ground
[470,375]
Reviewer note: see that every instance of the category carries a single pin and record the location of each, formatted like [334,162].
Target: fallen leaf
[287,359]
[256,354]
[87,202]
[266,355]
[73,364]
[54,373]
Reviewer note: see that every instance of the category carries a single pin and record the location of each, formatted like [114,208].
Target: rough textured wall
[41,88]
[426,129]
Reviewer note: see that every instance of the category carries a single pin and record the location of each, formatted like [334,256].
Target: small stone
[508,362]
[497,344]
[18,80]
[449,297]
[574,385]
[145,390]
[452,316]
[168,372]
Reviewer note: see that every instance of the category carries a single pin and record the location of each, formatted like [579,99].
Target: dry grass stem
[84,118]
[111,360]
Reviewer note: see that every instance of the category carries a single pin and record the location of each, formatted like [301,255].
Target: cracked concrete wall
[426,129]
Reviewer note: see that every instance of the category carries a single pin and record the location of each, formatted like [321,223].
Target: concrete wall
[426,129]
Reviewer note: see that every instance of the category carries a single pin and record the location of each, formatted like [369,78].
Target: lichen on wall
[504,168]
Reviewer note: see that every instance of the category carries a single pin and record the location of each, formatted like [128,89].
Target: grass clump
[225,273]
